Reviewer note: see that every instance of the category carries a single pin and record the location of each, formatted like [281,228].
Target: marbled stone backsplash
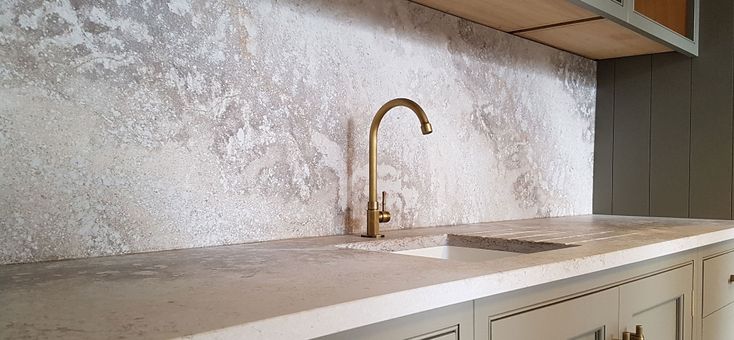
[140,125]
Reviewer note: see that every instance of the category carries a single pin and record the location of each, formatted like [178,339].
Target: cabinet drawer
[717,290]
[718,326]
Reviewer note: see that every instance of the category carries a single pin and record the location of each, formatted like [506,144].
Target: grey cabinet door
[661,304]
[590,317]
[719,325]
[451,333]
[455,322]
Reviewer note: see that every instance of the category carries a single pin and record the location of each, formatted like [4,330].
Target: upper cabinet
[674,15]
[671,22]
[596,29]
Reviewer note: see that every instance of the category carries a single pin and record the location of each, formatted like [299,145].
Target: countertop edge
[344,316]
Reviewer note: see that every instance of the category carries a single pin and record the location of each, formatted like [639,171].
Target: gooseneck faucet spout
[375,216]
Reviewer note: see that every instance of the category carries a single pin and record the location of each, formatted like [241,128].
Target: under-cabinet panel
[596,39]
[514,15]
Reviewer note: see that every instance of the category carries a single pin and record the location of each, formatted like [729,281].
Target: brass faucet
[375,216]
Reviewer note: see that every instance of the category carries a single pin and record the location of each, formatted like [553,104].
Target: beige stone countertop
[309,287]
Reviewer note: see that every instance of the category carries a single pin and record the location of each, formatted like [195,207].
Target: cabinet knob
[731,279]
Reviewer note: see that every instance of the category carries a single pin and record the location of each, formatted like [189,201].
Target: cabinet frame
[496,307]
[626,16]
[473,319]
[569,319]
[455,320]
[674,286]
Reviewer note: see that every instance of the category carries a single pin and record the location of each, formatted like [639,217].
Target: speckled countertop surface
[309,287]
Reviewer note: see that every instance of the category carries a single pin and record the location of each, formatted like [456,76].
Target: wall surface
[135,126]
[664,128]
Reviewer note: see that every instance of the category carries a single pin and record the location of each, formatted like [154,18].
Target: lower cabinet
[592,317]
[718,297]
[455,322]
[719,325]
[657,294]
[661,303]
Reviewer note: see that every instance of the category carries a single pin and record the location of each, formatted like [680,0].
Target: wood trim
[597,39]
[512,15]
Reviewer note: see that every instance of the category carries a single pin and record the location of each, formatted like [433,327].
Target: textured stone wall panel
[134,126]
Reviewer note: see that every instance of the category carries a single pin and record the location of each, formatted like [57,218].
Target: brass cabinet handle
[625,336]
[731,279]
[637,335]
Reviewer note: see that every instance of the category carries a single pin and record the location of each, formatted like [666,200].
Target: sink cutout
[457,247]
[457,253]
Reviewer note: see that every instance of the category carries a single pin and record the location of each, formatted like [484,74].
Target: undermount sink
[457,247]
[457,253]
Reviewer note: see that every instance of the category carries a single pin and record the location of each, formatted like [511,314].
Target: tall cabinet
[664,128]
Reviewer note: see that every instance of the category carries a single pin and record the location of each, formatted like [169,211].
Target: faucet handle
[384,214]
[384,201]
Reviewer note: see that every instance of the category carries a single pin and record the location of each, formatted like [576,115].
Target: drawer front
[719,326]
[718,291]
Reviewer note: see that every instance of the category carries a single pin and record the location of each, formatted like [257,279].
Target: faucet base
[373,236]
[374,218]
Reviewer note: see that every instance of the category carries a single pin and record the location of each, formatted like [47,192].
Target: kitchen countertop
[309,287]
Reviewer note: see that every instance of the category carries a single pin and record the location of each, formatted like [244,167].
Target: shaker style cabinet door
[451,333]
[718,282]
[719,325]
[454,322]
[590,317]
[661,304]
[718,297]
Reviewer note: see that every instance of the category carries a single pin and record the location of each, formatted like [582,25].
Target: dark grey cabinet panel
[631,154]
[670,134]
[604,138]
[687,152]
[711,114]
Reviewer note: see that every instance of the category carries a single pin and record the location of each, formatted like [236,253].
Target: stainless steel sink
[466,248]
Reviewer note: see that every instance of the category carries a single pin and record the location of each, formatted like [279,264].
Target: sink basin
[466,248]
[457,253]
